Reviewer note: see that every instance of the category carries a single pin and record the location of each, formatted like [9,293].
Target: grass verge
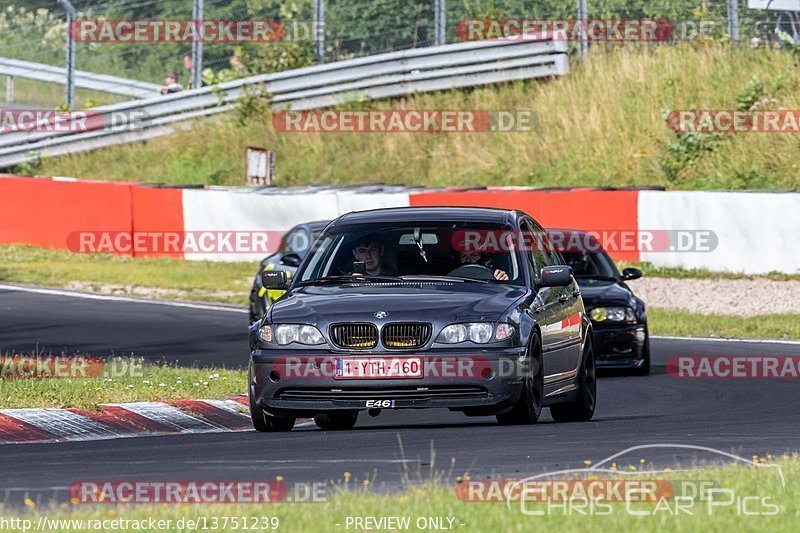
[158,278]
[652,271]
[123,380]
[603,125]
[681,324]
[770,507]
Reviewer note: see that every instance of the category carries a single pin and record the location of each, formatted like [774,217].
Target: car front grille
[406,335]
[354,335]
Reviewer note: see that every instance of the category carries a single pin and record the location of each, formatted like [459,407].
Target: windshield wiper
[422,277]
[349,278]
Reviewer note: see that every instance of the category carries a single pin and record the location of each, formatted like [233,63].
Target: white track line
[90,296]
[717,339]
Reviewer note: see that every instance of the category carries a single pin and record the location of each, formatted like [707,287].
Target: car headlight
[613,314]
[477,332]
[284,334]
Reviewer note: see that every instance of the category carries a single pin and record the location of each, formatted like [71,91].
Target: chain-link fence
[304,32]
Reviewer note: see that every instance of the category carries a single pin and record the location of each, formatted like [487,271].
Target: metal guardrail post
[319,30]
[583,15]
[9,88]
[70,9]
[733,20]
[439,21]
[197,45]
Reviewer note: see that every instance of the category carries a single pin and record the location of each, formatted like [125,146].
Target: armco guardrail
[87,80]
[381,76]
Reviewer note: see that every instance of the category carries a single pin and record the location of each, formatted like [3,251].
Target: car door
[571,307]
[546,309]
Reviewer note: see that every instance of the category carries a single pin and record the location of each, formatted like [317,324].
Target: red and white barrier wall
[755,232]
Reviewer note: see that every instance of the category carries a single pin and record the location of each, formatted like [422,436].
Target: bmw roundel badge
[381,314]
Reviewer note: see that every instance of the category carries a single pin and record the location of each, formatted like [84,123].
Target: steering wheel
[473,271]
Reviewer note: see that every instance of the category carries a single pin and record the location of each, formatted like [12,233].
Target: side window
[537,258]
[548,252]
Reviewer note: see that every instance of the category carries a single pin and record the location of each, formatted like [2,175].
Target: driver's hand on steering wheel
[499,275]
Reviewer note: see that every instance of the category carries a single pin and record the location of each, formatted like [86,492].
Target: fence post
[583,15]
[70,60]
[733,20]
[9,88]
[197,45]
[439,21]
[319,30]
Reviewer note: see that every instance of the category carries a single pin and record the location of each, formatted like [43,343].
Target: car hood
[454,302]
[603,293]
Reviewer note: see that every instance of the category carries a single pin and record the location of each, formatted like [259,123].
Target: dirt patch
[741,297]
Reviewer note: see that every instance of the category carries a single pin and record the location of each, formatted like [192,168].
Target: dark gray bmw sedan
[468,309]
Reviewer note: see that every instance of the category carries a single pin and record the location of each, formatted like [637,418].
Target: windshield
[413,250]
[591,264]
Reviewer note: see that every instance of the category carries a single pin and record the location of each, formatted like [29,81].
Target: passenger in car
[370,252]
[476,257]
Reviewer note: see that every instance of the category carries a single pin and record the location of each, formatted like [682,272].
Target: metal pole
[319,30]
[733,20]
[197,45]
[70,9]
[9,88]
[439,21]
[583,15]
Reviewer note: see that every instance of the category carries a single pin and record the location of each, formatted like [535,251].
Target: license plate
[378,368]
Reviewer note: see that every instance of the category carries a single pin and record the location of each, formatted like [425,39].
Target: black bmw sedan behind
[414,308]
[619,317]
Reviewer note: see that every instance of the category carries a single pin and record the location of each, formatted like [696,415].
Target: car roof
[425,214]
[317,225]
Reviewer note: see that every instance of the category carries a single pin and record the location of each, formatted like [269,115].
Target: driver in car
[370,252]
[476,257]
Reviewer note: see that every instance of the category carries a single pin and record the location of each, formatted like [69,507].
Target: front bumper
[477,382]
[619,346]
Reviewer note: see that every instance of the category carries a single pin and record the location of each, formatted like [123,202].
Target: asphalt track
[744,417]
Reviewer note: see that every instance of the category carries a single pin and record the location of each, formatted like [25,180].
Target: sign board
[259,166]
[775,5]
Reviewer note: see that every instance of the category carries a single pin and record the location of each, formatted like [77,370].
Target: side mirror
[556,276]
[631,273]
[291,260]
[275,280]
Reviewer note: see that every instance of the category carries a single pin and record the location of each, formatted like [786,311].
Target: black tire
[529,406]
[581,409]
[264,423]
[644,370]
[336,420]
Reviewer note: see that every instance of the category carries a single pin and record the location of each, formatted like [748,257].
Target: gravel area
[741,297]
